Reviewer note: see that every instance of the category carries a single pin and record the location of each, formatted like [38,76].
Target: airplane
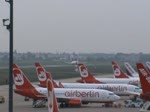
[52,101]
[66,96]
[130,70]
[119,89]
[87,77]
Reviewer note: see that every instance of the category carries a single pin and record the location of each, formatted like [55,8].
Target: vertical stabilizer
[144,77]
[86,75]
[52,102]
[118,73]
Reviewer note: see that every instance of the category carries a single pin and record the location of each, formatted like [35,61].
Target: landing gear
[63,104]
[26,99]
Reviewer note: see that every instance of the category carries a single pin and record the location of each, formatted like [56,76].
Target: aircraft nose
[140,91]
[116,97]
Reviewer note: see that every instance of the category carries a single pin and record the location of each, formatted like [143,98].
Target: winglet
[118,73]
[52,102]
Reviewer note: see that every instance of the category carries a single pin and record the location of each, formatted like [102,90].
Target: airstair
[39,103]
[146,107]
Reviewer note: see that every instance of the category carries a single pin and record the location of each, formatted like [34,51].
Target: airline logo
[77,93]
[135,82]
[41,74]
[113,88]
[117,72]
[18,77]
[83,71]
[145,74]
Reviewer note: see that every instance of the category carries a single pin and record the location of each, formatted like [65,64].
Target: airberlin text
[113,88]
[77,93]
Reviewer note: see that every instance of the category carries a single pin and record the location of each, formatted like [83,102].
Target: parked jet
[87,77]
[119,89]
[64,95]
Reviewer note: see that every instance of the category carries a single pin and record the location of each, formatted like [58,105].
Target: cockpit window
[111,93]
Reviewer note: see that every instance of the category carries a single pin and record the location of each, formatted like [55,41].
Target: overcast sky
[81,26]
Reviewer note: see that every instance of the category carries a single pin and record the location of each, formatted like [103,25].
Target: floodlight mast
[10,28]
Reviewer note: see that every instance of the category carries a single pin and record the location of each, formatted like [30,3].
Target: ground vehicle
[134,104]
[2,99]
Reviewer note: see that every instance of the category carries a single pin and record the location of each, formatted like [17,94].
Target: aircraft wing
[68,99]
[133,93]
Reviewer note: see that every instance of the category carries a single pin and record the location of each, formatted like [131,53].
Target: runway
[19,105]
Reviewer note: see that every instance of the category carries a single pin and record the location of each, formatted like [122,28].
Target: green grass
[57,72]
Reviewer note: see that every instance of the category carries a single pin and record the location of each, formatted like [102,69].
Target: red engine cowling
[74,102]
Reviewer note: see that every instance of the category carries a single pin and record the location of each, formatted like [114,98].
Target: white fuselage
[88,95]
[119,89]
[132,81]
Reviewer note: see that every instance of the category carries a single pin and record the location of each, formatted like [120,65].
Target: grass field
[58,72]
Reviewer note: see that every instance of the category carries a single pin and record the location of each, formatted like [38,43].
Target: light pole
[10,28]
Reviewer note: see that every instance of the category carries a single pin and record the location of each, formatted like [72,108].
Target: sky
[81,26]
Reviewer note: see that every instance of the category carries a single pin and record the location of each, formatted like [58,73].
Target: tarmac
[19,105]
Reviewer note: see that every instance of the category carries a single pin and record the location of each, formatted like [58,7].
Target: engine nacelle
[74,102]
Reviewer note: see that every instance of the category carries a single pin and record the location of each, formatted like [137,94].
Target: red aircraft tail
[20,80]
[86,75]
[23,85]
[118,73]
[144,75]
[52,102]
[43,75]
